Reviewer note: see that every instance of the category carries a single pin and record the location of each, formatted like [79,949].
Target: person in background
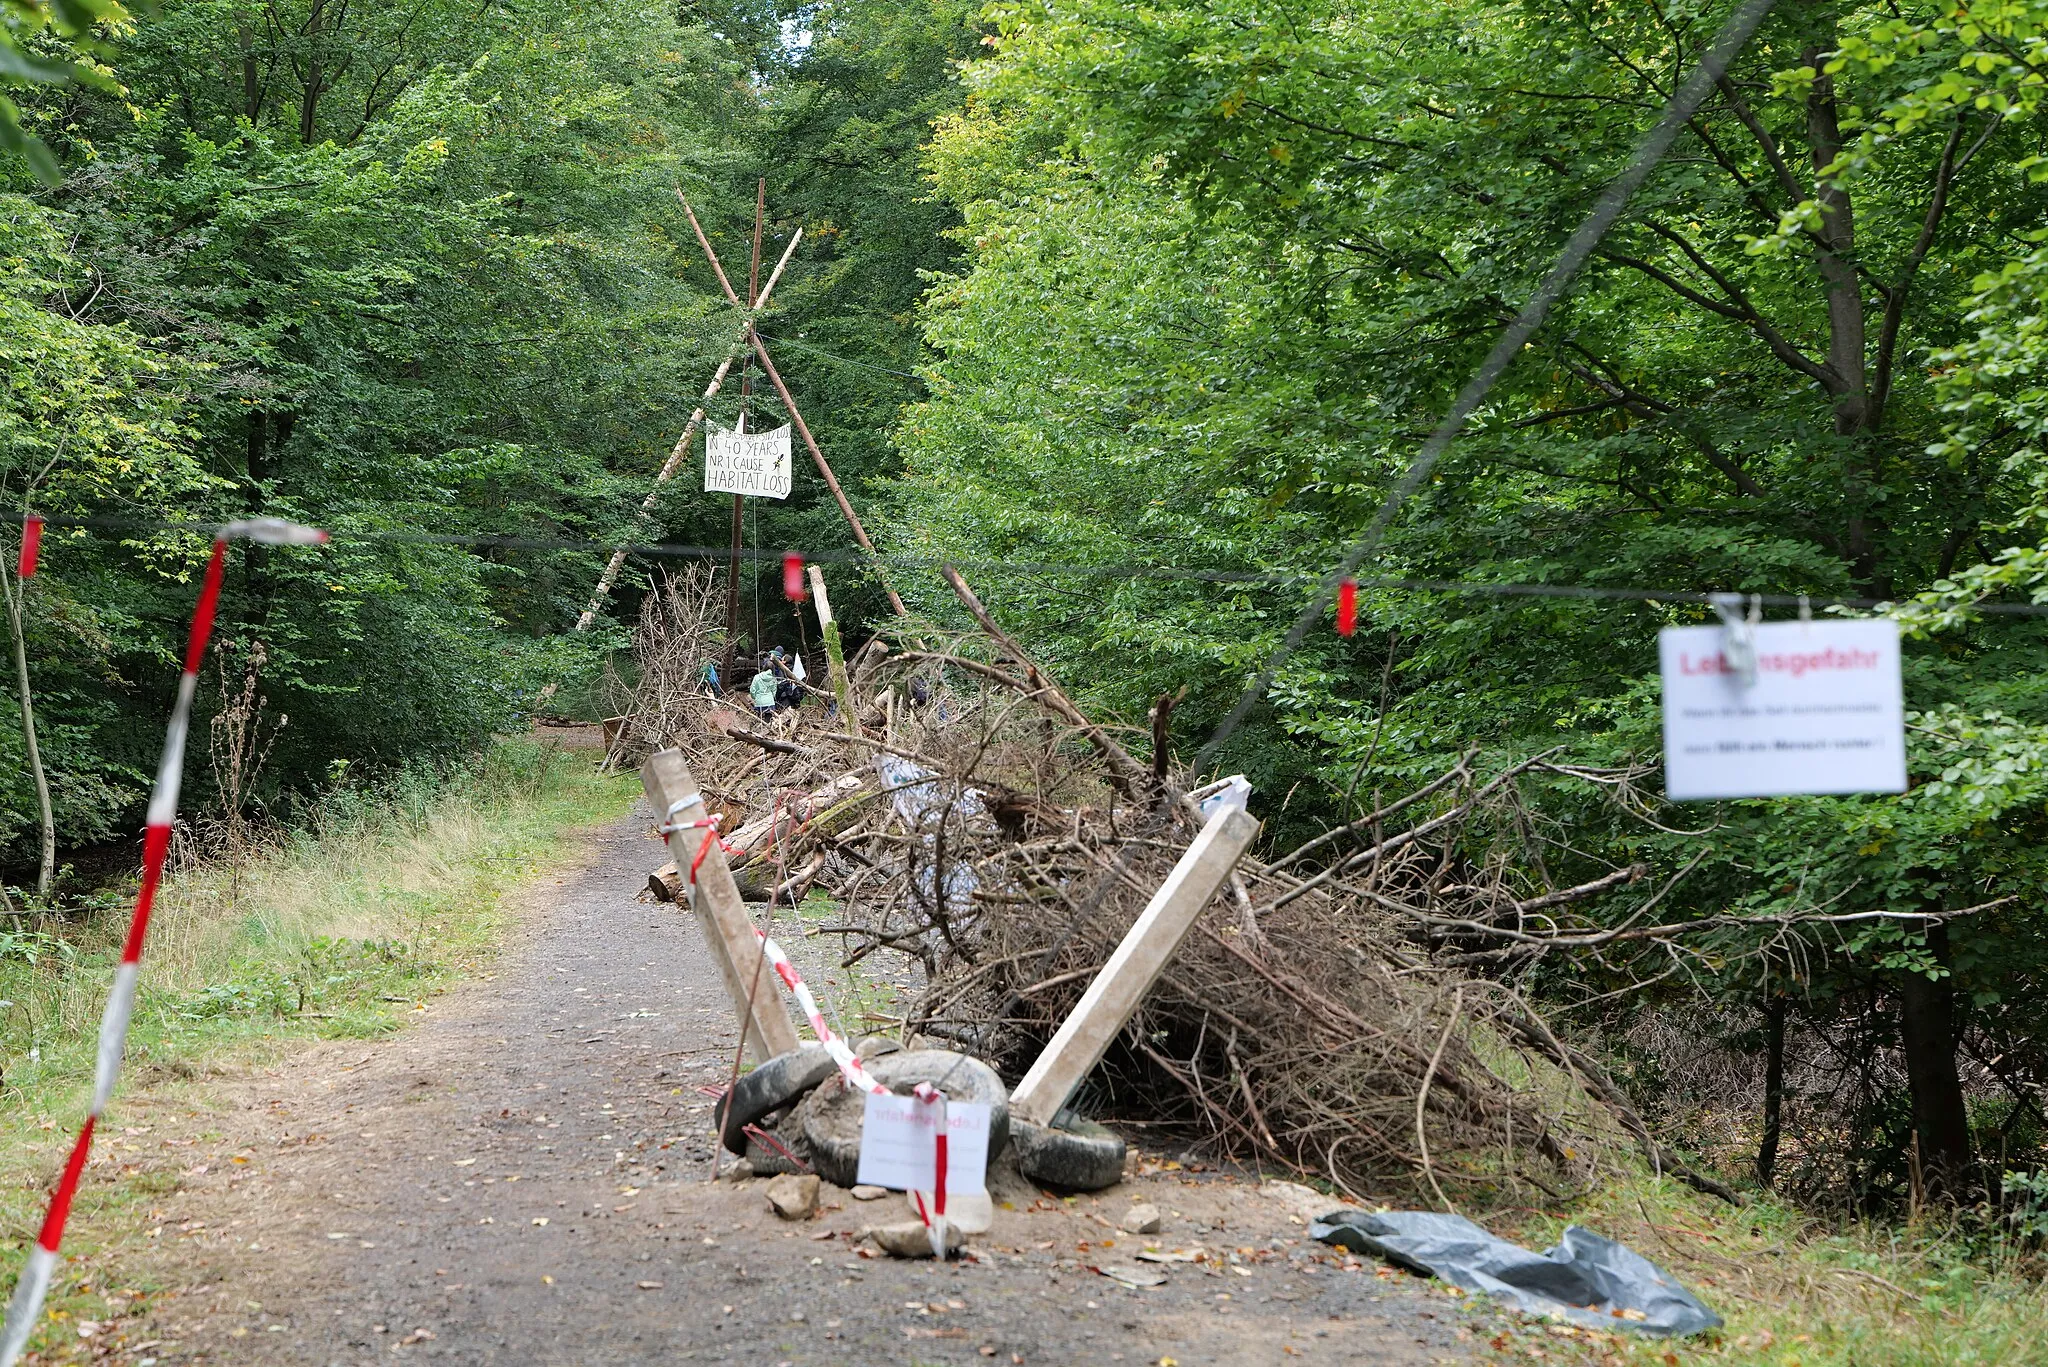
[761,692]
[789,689]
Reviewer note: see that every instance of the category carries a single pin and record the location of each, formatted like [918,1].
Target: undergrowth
[339,928]
[1796,1291]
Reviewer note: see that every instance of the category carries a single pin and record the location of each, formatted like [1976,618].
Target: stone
[910,1239]
[1140,1219]
[968,1214]
[794,1195]
[1301,1203]
[741,1171]
[867,1193]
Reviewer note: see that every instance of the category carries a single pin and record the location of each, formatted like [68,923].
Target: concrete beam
[1137,963]
[720,910]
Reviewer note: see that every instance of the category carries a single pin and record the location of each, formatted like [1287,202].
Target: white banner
[1825,715]
[897,1147]
[754,463]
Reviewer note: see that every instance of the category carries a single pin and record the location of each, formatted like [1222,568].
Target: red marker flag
[1347,607]
[793,578]
[31,545]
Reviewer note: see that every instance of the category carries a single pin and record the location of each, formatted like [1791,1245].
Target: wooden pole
[739,507]
[709,255]
[760,217]
[1121,760]
[860,533]
[1140,958]
[835,654]
[721,912]
[675,456]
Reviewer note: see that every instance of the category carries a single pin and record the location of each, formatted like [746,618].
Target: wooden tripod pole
[739,509]
[675,458]
[860,533]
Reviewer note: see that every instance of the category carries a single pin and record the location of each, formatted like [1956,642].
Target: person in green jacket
[761,692]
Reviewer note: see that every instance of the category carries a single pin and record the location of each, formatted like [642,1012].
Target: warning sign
[1826,713]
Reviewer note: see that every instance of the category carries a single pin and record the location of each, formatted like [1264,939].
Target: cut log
[666,883]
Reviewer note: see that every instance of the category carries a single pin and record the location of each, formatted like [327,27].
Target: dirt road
[520,1177]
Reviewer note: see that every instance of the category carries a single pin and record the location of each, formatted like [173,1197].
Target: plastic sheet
[918,800]
[1586,1279]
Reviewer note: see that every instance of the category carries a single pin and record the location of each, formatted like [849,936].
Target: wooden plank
[721,912]
[1137,963]
[835,656]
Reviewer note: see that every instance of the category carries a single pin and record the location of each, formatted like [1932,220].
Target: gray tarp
[918,798]
[1586,1279]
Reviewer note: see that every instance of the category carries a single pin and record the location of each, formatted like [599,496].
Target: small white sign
[898,1147]
[754,463]
[1825,715]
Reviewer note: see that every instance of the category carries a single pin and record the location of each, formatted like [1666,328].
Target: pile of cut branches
[1336,1011]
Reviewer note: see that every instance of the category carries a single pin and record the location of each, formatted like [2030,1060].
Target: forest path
[520,1177]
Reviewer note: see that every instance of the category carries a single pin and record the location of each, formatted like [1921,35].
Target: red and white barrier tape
[859,1077]
[849,1063]
[34,1284]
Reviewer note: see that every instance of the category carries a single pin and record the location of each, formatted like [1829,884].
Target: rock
[741,1171]
[1140,1219]
[1007,1187]
[1301,1203]
[794,1195]
[867,1193]
[910,1239]
[968,1214]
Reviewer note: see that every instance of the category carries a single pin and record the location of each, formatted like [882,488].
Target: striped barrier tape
[858,1077]
[29,1292]
[849,1063]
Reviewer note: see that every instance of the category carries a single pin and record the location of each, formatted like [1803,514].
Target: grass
[1796,1292]
[340,929]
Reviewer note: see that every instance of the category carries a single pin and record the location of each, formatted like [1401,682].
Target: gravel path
[521,1178]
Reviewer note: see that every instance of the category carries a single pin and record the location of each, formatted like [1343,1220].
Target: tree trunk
[1834,256]
[46,867]
[252,87]
[1927,1029]
[1774,1091]
[309,100]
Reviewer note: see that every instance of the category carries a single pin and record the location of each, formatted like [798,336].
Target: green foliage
[1225,265]
[385,271]
[46,43]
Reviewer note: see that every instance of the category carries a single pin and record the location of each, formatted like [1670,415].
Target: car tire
[772,1086]
[1082,1156]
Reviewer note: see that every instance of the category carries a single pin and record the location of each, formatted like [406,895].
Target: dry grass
[395,887]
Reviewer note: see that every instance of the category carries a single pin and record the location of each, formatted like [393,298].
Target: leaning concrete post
[1128,976]
[835,656]
[721,912]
